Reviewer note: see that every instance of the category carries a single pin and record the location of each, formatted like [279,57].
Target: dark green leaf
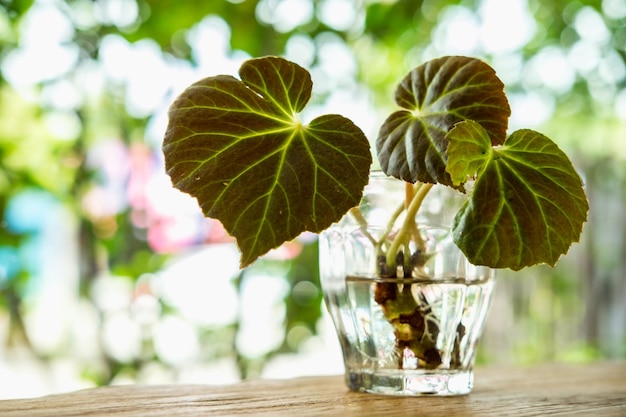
[527,207]
[412,142]
[239,148]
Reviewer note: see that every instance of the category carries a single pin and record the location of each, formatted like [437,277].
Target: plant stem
[408,225]
[392,221]
[414,196]
[358,216]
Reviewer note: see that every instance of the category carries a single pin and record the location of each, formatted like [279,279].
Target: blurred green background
[108,275]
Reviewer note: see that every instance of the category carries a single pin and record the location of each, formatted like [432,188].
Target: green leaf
[527,207]
[412,142]
[469,149]
[239,148]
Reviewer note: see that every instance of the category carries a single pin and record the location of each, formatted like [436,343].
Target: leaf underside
[433,97]
[528,204]
[238,147]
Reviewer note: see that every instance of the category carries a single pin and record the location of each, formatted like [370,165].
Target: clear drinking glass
[409,332]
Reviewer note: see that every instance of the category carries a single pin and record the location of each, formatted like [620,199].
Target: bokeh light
[110,275]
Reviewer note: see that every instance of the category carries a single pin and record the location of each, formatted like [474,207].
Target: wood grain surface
[597,389]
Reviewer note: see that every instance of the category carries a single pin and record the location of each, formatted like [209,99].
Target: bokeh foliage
[569,312]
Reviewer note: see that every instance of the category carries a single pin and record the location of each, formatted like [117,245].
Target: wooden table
[586,390]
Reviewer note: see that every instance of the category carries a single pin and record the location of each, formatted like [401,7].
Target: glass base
[411,382]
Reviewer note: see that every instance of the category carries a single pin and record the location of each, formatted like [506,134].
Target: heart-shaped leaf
[528,204]
[239,148]
[412,142]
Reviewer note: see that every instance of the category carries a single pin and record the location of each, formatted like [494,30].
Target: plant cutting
[239,147]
